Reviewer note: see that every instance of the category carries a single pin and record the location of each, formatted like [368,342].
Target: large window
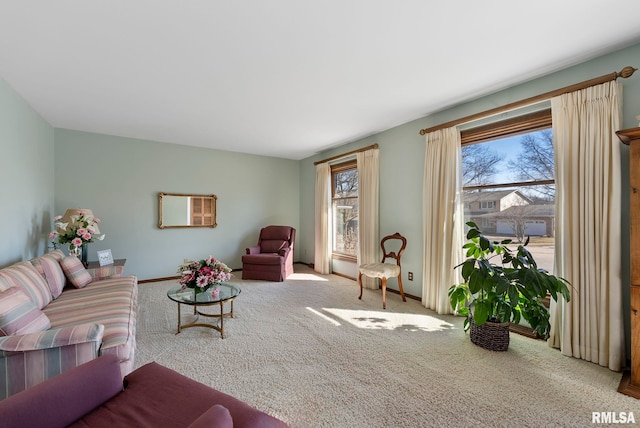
[344,194]
[508,179]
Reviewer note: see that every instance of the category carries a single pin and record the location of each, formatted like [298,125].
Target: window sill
[344,257]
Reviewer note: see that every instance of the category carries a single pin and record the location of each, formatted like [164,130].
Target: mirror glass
[185,210]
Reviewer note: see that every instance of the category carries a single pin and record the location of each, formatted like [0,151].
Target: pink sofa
[93,395]
[55,316]
[272,258]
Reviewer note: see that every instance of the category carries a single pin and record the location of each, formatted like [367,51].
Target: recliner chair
[272,258]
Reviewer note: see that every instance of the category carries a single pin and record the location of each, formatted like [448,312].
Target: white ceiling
[286,78]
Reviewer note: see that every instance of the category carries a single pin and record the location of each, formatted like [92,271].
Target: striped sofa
[55,316]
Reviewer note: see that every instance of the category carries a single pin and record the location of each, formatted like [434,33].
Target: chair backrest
[275,238]
[390,253]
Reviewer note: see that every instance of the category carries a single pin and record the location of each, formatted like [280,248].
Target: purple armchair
[272,258]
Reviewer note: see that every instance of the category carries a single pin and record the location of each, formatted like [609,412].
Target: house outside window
[509,184]
[344,195]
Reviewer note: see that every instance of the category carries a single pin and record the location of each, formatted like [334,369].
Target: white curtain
[368,206]
[587,164]
[323,220]
[443,218]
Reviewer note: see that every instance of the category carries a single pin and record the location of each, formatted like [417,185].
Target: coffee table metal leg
[179,318]
[221,321]
[198,314]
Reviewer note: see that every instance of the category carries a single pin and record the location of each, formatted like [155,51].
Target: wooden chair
[384,270]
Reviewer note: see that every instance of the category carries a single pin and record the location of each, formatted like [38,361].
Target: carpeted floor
[310,353]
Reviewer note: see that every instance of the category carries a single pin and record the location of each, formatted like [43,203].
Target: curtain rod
[624,73]
[374,146]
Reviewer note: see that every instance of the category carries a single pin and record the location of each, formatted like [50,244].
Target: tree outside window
[345,208]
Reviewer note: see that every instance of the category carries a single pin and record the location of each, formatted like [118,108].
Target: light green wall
[120,178]
[402,152]
[26,178]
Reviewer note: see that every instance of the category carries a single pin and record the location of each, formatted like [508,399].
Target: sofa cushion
[216,417]
[262,259]
[19,315]
[57,255]
[26,277]
[111,302]
[50,269]
[273,245]
[65,398]
[75,271]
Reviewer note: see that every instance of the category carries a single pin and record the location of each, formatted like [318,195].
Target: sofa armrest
[64,399]
[52,338]
[216,417]
[284,251]
[253,250]
[32,358]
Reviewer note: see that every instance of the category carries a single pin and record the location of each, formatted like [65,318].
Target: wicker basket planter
[490,335]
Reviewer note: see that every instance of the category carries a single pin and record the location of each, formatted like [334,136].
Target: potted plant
[500,287]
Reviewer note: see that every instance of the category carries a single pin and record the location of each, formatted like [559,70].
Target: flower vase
[75,251]
[84,252]
[196,291]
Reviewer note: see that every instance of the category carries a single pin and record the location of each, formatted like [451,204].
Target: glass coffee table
[185,296]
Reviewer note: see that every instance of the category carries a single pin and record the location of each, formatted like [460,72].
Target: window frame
[523,124]
[337,168]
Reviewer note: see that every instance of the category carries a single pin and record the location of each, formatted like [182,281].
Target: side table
[101,272]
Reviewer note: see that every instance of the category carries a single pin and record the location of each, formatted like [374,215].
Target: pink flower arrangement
[80,230]
[203,274]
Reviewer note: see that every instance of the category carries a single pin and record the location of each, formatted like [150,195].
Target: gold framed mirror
[186,210]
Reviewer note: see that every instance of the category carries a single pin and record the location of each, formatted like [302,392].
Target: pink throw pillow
[77,275]
[49,267]
[19,315]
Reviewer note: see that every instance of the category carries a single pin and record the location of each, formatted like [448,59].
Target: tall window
[509,185]
[344,194]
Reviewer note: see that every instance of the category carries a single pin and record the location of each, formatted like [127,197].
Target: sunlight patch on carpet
[323,316]
[390,320]
[306,277]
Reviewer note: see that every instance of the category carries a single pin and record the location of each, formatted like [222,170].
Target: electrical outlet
[410,276]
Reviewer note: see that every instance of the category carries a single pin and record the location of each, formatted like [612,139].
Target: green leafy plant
[502,285]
